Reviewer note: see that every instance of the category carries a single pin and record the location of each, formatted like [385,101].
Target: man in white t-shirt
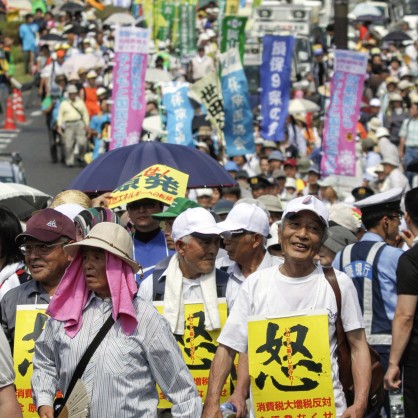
[297,284]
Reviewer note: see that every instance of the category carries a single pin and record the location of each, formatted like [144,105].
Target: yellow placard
[158,182]
[290,367]
[30,321]
[231,7]
[198,347]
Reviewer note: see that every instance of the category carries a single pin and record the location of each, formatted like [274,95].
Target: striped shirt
[121,376]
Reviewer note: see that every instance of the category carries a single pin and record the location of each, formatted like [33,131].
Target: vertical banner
[187,31]
[338,146]
[198,347]
[166,26]
[290,366]
[179,113]
[275,74]
[238,129]
[175,31]
[231,7]
[158,18]
[148,12]
[128,94]
[233,34]
[30,322]
[208,89]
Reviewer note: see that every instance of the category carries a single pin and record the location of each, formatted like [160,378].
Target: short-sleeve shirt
[7,374]
[409,131]
[271,294]
[407,284]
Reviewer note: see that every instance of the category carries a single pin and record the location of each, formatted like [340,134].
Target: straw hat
[110,237]
[71,196]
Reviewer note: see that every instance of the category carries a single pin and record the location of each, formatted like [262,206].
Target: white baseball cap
[247,216]
[204,192]
[195,221]
[310,203]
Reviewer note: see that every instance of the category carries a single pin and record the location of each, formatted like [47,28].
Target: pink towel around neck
[72,294]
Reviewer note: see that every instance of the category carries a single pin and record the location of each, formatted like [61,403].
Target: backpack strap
[158,285]
[343,348]
[222,279]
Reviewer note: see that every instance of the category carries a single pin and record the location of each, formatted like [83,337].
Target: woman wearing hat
[137,352]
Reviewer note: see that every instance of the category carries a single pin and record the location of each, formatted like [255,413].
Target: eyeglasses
[398,216]
[42,249]
[235,234]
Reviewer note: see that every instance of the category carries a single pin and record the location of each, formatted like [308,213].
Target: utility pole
[341,24]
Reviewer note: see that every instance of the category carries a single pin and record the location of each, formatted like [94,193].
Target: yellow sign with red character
[198,346]
[290,366]
[158,182]
[30,322]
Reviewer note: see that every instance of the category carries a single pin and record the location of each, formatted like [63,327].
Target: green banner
[187,32]
[233,34]
[166,21]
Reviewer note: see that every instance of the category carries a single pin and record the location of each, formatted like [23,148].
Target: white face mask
[398,111]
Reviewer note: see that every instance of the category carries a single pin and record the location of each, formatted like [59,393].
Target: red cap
[48,225]
[290,161]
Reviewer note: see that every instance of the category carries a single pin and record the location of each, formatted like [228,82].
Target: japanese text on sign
[198,346]
[290,366]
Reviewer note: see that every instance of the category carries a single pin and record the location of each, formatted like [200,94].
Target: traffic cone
[9,122]
[18,109]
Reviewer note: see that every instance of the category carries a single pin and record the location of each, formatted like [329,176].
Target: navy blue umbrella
[114,168]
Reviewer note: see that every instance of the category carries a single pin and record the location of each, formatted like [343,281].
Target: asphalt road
[32,142]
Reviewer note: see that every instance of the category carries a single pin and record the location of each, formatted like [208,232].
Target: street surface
[32,142]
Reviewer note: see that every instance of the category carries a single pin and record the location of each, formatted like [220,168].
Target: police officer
[372,263]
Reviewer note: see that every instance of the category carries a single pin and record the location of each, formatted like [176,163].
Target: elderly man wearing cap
[338,238]
[190,275]
[136,351]
[385,144]
[275,159]
[328,190]
[72,124]
[393,175]
[372,263]
[312,176]
[192,268]
[394,117]
[42,245]
[201,64]
[297,284]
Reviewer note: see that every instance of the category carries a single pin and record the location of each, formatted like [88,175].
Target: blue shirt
[148,254]
[386,275]
[27,33]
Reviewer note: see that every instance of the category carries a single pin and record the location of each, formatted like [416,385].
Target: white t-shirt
[236,278]
[270,293]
